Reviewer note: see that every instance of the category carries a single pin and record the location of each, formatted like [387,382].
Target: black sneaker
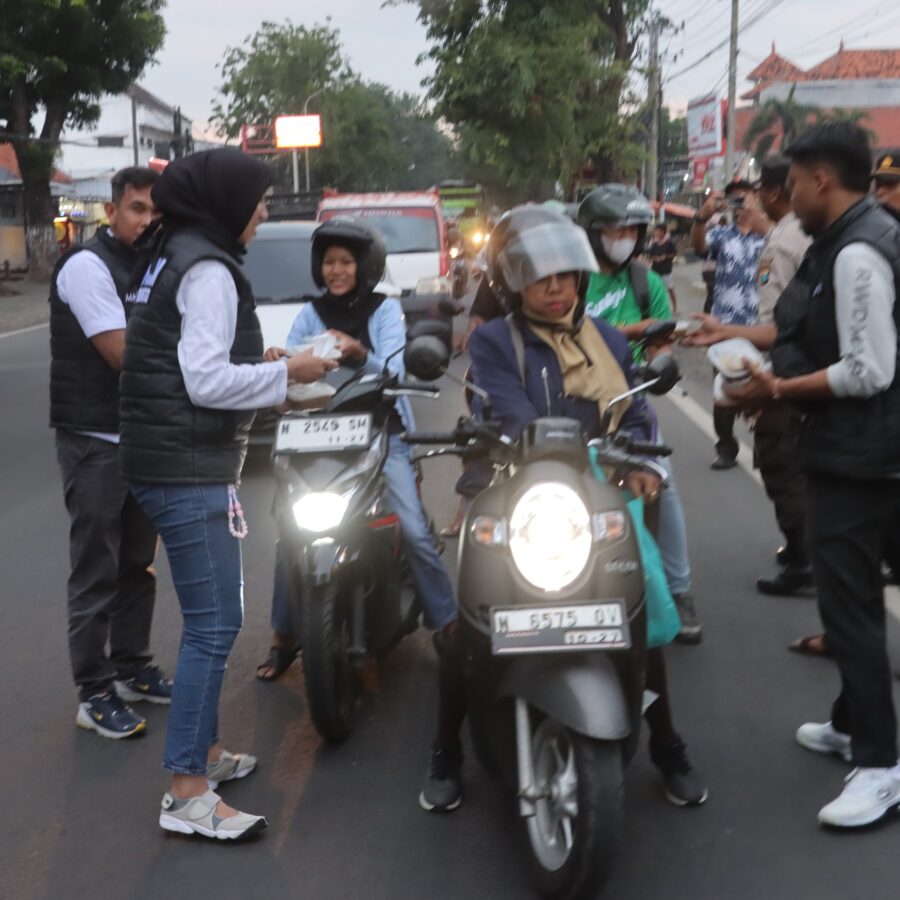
[691,631]
[109,716]
[443,790]
[723,463]
[148,684]
[684,787]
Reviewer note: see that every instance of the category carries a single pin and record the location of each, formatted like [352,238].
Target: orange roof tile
[852,64]
[9,162]
[776,68]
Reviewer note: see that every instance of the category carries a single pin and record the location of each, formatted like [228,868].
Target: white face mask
[618,251]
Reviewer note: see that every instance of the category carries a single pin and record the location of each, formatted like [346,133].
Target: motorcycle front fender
[322,559]
[582,691]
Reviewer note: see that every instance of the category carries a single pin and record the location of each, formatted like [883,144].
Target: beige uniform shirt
[785,247]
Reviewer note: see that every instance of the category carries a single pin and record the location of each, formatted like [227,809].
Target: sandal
[813,645]
[279,660]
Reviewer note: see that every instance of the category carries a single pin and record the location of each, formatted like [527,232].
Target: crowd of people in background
[155,380]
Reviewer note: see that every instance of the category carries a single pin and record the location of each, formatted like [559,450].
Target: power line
[832,32]
[766,8]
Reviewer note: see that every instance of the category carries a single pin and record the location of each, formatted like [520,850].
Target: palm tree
[793,117]
[851,117]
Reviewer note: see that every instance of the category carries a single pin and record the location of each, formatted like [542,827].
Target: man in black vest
[836,356]
[112,543]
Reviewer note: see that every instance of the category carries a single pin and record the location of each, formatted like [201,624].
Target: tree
[373,139]
[534,89]
[60,57]
[673,135]
[785,118]
[274,71]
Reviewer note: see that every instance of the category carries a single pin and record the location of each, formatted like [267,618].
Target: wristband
[699,220]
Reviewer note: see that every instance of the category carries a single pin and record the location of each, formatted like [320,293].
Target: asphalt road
[78,815]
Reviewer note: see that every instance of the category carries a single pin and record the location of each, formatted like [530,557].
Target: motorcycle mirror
[662,374]
[426,357]
[433,328]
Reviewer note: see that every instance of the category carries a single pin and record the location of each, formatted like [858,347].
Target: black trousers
[851,524]
[112,587]
[723,421]
[776,451]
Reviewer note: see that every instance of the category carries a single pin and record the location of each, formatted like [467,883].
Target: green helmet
[614,205]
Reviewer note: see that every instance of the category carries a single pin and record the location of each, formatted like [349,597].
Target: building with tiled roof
[772,69]
[865,80]
[847,65]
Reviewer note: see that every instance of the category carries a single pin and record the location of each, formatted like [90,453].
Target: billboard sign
[298,132]
[704,121]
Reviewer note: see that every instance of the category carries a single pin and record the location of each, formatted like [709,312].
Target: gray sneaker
[230,767]
[197,815]
[691,630]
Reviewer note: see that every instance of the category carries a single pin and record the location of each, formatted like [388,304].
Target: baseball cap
[887,168]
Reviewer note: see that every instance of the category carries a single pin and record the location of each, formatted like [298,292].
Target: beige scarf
[590,371]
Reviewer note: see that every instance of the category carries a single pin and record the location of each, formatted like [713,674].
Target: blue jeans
[192,520]
[672,538]
[432,580]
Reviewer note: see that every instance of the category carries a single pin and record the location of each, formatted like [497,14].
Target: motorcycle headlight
[550,536]
[478,237]
[454,252]
[320,511]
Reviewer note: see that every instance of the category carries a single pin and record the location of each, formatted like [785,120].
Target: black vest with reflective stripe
[84,388]
[165,438]
[842,436]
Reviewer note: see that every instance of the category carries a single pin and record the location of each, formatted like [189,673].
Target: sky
[383,43]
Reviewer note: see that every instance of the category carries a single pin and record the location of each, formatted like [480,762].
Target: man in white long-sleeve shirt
[836,356]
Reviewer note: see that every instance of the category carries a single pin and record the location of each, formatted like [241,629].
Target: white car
[277,265]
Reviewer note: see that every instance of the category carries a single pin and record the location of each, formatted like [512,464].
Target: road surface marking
[695,413]
[7,334]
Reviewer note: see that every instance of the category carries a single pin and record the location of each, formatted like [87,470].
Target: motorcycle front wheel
[573,837]
[330,677]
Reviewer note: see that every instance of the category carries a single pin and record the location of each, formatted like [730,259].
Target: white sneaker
[868,796]
[821,737]
[197,815]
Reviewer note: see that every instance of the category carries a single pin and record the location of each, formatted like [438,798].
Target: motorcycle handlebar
[429,437]
[648,449]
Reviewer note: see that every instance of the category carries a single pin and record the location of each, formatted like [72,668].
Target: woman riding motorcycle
[348,260]
[574,366]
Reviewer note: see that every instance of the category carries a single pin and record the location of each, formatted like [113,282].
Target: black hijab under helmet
[214,193]
[351,312]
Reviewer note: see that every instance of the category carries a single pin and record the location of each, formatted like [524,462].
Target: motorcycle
[353,595]
[553,622]
[459,271]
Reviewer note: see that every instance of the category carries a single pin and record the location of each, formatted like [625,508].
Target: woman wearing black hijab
[192,376]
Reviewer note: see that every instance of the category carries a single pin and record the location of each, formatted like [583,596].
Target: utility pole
[652,185]
[134,129]
[730,123]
